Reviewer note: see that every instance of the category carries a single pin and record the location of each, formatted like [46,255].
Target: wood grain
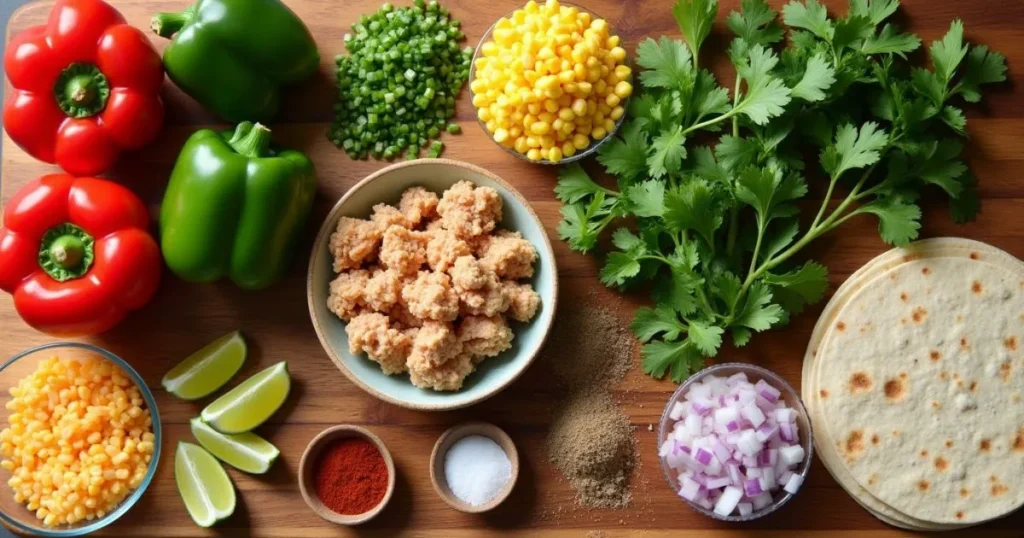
[183,317]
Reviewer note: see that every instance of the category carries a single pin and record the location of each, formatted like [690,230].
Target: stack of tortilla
[914,379]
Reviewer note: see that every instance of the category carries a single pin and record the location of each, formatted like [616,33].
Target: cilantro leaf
[626,240]
[647,199]
[766,95]
[965,207]
[799,287]
[582,223]
[809,15]
[574,184]
[941,166]
[780,238]
[890,41]
[667,62]
[755,23]
[947,54]
[691,206]
[758,312]
[705,337]
[735,152]
[708,97]
[818,77]
[851,31]
[898,219]
[662,319]
[854,150]
[929,85]
[982,67]
[741,336]
[766,190]
[626,155]
[669,152]
[695,18]
[677,359]
[955,119]
[619,267]
[875,10]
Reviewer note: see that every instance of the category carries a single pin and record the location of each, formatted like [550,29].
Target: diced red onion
[677,411]
[703,456]
[793,484]
[688,488]
[727,502]
[718,483]
[785,415]
[791,455]
[767,391]
[768,478]
[784,477]
[787,432]
[752,487]
[745,508]
[762,500]
[766,430]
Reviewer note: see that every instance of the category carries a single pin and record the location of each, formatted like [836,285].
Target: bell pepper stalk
[233,56]
[85,87]
[77,255]
[235,207]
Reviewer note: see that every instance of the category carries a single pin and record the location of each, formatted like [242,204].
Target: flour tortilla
[930,248]
[938,437]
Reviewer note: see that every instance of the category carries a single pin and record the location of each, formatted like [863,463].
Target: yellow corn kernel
[520,145]
[534,154]
[623,89]
[566,77]
[555,154]
[500,135]
[608,125]
[612,43]
[612,100]
[566,114]
[598,133]
[580,141]
[551,106]
[579,107]
[622,72]
[585,87]
[568,149]
[617,113]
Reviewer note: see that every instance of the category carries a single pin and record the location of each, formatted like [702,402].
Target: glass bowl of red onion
[735,442]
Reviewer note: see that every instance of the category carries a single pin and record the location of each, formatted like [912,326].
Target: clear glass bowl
[754,374]
[579,155]
[14,514]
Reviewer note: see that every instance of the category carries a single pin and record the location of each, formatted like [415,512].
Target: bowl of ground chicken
[432,284]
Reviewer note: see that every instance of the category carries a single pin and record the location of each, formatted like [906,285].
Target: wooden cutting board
[183,317]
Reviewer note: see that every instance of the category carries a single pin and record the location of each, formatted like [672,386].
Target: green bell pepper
[234,55]
[235,207]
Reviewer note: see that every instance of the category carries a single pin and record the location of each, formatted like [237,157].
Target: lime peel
[208,369]
[199,487]
[251,403]
[246,452]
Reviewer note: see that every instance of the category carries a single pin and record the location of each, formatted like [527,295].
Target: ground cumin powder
[591,439]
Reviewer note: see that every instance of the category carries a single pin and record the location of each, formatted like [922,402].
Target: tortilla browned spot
[999,489]
[855,443]
[840,326]
[926,271]
[894,390]
[823,393]
[936,404]
[874,439]
[924,453]
[1011,343]
[1018,441]
[974,256]
[919,314]
[1004,370]
[976,287]
[985,445]
[974,386]
[959,515]
[963,343]
[964,492]
[923,485]
[949,443]
[860,382]
[872,479]
[941,463]
[903,375]
[904,297]
[935,355]
[944,375]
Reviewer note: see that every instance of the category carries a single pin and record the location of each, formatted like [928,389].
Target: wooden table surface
[183,317]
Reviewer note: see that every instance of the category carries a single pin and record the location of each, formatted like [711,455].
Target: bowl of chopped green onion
[398,84]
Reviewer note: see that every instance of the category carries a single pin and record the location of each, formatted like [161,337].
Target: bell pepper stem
[250,139]
[81,90]
[169,23]
[66,252]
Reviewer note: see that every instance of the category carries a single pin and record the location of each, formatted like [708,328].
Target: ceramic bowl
[493,374]
[13,514]
[307,467]
[449,438]
[754,374]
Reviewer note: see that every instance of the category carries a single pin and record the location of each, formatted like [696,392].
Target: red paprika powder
[351,476]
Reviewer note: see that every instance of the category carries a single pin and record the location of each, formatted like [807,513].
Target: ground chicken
[387,216]
[401,316]
[354,241]
[448,377]
[383,290]
[467,211]
[433,226]
[347,298]
[484,337]
[510,255]
[404,250]
[418,204]
[469,274]
[431,296]
[488,300]
[435,343]
[444,248]
[372,334]
[523,301]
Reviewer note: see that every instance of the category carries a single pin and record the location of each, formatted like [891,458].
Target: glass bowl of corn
[80,441]
[550,82]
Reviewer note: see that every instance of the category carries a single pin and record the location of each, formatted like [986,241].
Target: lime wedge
[244,451]
[203,484]
[250,403]
[208,369]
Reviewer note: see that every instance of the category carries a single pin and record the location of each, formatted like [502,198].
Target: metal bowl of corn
[80,443]
[550,94]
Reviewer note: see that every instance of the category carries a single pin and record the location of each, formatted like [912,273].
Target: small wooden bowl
[312,453]
[446,441]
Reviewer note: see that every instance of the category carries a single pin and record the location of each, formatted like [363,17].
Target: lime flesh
[208,369]
[203,484]
[250,403]
[244,451]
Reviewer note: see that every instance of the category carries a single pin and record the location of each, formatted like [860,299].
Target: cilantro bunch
[716,226]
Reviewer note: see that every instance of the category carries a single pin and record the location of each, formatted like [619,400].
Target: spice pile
[397,86]
[591,439]
[351,476]
[476,469]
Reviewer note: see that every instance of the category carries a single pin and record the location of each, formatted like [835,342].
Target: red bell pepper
[77,254]
[86,86]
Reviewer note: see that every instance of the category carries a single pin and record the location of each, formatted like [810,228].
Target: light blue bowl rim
[327,228]
[128,502]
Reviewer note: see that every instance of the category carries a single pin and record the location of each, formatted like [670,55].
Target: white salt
[476,469]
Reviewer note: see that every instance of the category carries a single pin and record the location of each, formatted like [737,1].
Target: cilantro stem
[708,123]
